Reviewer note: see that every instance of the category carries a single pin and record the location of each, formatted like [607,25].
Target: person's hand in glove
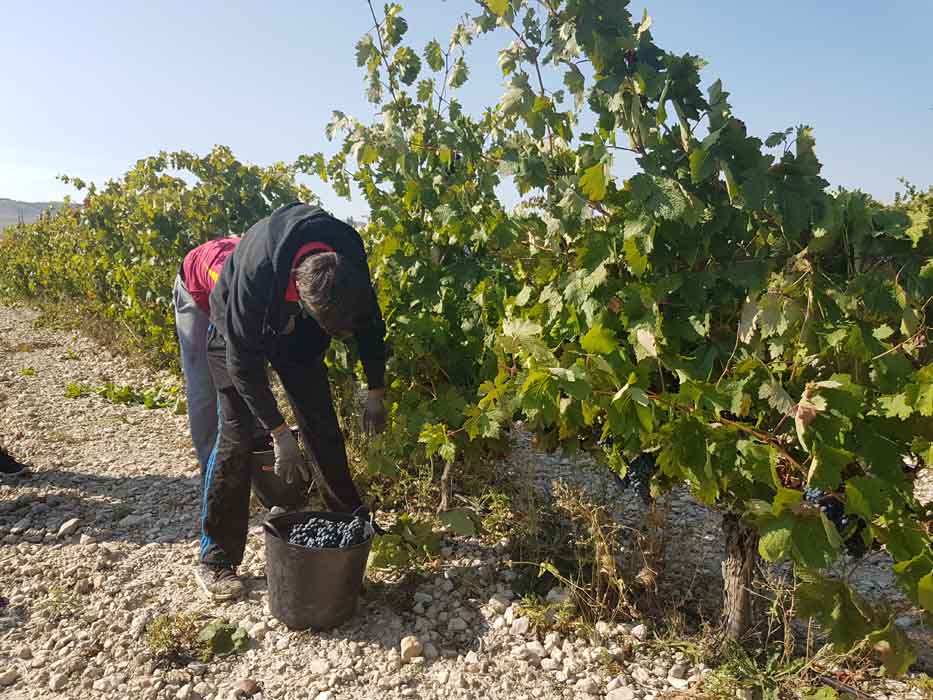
[374,415]
[289,462]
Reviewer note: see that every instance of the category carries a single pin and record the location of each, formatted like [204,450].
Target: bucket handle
[272,529]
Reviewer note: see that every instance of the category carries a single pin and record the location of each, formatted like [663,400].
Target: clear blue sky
[90,87]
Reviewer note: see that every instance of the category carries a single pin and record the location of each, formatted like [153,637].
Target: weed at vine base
[74,390]
[59,604]
[174,638]
[181,638]
[151,398]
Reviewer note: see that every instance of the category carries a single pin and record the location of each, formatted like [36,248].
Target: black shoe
[8,465]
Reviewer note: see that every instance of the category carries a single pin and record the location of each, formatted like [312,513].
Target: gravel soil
[100,539]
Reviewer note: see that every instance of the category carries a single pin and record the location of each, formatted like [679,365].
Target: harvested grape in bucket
[328,534]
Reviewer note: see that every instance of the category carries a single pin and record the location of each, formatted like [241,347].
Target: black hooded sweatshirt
[249,309]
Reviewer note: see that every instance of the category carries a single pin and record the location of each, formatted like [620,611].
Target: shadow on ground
[138,509]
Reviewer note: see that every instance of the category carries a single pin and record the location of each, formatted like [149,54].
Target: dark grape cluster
[638,475]
[848,526]
[328,534]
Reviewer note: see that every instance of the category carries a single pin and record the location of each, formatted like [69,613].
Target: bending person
[298,277]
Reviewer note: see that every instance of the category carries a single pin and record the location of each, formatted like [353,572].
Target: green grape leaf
[437,442]
[833,604]
[776,537]
[777,397]
[364,49]
[771,318]
[824,693]
[911,572]
[425,90]
[883,332]
[812,547]
[659,196]
[459,73]
[896,406]
[785,500]
[923,403]
[408,63]
[865,496]
[894,649]
[222,639]
[462,521]
[367,155]
[826,469]
[483,423]
[522,335]
[902,538]
[599,340]
[574,81]
[748,322]
[433,55]
[524,296]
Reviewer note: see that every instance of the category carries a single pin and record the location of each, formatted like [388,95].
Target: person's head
[335,292]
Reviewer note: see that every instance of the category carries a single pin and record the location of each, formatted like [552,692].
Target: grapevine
[720,309]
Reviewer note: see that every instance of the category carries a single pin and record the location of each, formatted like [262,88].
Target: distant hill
[12,212]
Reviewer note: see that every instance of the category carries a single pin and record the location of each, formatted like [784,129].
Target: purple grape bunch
[320,533]
[639,474]
[849,527]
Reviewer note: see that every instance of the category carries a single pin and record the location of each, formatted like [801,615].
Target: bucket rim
[326,515]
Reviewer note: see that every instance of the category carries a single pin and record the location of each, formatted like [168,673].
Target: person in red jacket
[196,278]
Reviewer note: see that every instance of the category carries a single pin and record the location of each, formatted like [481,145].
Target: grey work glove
[374,415]
[289,462]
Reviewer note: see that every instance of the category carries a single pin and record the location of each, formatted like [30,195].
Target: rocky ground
[100,540]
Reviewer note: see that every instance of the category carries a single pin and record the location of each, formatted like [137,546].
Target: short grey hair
[336,291]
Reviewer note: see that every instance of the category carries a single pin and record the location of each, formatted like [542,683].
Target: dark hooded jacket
[249,308]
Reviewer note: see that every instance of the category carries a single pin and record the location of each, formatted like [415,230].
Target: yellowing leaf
[599,340]
[645,23]
[924,401]
[367,154]
[809,405]
[497,7]
[896,406]
[445,155]
[634,257]
[594,182]
[925,592]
